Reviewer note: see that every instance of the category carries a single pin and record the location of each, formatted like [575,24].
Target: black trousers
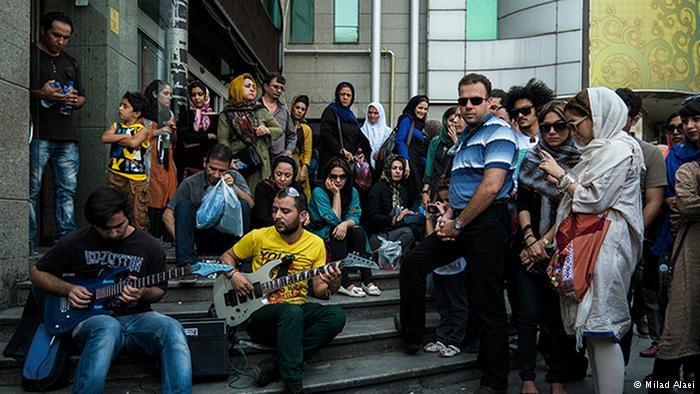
[355,241]
[484,244]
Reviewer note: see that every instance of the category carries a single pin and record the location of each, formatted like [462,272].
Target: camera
[433,209]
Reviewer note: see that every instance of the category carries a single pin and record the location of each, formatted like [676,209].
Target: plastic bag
[389,254]
[232,219]
[211,209]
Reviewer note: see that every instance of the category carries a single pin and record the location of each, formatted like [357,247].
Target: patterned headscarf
[396,201]
[201,115]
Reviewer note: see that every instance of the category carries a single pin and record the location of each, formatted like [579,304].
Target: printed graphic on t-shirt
[125,161]
[113,260]
[294,292]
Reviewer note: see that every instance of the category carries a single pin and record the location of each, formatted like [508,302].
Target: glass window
[302,22]
[152,63]
[482,20]
[274,10]
[347,20]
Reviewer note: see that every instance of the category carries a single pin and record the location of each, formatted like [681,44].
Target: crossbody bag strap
[340,133]
[677,250]
[410,134]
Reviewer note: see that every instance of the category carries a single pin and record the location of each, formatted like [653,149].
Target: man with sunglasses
[644,287]
[523,103]
[675,134]
[273,87]
[298,328]
[476,227]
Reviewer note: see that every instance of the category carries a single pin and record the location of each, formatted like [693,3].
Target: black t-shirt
[85,253]
[48,123]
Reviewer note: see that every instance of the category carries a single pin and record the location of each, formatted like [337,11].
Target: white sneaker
[355,292]
[449,351]
[372,290]
[433,347]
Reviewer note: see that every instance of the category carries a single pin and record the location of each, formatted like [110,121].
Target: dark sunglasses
[559,127]
[340,177]
[524,111]
[476,101]
[670,128]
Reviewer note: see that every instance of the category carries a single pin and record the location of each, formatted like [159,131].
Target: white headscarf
[378,132]
[611,147]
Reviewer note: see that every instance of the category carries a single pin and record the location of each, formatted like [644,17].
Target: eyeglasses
[476,101]
[278,87]
[689,99]
[524,111]
[574,125]
[672,128]
[559,127]
[495,108]
[340,177]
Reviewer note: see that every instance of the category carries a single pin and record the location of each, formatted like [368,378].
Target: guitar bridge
[64,305]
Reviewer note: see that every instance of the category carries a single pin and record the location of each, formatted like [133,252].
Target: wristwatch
[458,225]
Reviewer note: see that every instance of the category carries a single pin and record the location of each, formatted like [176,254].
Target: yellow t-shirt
[266,244]
[127,162]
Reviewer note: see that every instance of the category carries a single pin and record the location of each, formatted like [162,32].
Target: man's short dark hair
[498,93]
[48,18]
[474,78]
[535,90]
[137,101]
[632,99]
[105,202]
[297,195]
[219,152]
[269,77]
[670,117]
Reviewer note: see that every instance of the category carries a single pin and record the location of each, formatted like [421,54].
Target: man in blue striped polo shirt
[476,227]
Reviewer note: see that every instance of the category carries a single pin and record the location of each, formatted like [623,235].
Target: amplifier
[209,343]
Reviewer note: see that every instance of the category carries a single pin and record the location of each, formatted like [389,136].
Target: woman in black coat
[345,142]
[284,173]
[196,129]
[387,214]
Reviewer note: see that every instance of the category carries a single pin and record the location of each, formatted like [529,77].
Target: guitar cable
[238,372]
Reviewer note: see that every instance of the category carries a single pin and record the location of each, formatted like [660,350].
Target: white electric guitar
[236,308]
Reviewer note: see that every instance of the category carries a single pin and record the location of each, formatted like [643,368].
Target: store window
[482,20]
[152,64]
[302,23]
[346,21]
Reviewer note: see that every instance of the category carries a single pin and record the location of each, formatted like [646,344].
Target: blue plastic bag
[211,210]
[231,221]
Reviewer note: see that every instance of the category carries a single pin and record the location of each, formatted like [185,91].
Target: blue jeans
[207,241]
[64,160]
[102,337]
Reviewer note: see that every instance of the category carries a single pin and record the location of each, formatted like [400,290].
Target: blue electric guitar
[60,317]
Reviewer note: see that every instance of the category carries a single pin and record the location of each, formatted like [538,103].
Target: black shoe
[293,387]
[266,372]
[411,348]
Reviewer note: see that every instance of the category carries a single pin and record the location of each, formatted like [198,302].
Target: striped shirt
[492,144]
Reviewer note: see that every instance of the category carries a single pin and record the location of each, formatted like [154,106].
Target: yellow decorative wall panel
[645,44]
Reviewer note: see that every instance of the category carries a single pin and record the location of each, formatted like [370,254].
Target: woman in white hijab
[375,129]
[606,179]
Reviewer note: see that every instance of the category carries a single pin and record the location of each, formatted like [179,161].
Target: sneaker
[434,347]
[266,372]
[354,292]
[650,352]
[293,387]
[450,351]
[371,290]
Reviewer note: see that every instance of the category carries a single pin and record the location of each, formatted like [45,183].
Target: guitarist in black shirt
[111,243]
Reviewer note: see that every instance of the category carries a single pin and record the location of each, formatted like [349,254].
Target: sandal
[371,289]
[433,347]
[354,292]
[450,351]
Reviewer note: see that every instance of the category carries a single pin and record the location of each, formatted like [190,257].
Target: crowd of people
[588,227]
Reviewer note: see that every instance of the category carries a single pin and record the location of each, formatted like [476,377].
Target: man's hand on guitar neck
[131,294]
[79,297]
[330,275]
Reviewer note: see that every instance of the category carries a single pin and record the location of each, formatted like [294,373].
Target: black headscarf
[410,111]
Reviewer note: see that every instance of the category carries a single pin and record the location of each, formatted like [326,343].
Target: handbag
[579,239]
[361,173]
[253,162]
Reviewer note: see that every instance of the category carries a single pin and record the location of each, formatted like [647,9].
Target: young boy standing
[130,141]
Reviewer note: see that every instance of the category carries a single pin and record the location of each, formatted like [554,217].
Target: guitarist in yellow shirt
[296,327]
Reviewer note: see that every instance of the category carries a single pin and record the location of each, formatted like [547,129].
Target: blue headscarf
[344,113]
[677,156]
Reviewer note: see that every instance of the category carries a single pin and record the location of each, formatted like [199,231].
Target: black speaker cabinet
[209,343]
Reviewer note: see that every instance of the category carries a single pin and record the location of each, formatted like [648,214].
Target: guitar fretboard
[276,284]
[150,280]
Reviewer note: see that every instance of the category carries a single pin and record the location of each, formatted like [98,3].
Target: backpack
[389,145]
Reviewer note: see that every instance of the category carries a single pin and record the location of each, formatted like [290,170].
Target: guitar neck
[278,283]
[146,281]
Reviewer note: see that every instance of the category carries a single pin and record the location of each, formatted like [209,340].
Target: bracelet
[531,243]
[528,236]
[565,181]
[231,273]
[527,227]
[545,242]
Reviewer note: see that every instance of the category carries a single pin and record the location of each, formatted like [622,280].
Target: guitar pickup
[257,290]
[230,298]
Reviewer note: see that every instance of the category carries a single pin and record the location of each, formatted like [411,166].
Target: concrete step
[386,305]
[201,290]
[391,371]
